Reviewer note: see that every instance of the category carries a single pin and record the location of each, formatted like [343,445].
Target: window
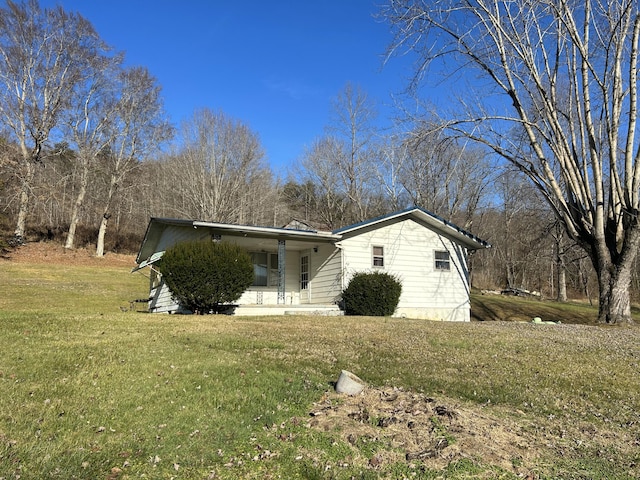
[304,272]
[378,257]
[265,269]
[443,262]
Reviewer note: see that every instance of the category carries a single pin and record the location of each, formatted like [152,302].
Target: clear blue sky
[275,65]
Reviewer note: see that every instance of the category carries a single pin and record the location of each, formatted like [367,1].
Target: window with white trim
[377,256]
[443,261]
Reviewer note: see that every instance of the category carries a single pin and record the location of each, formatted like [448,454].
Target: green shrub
[376,293]
[205,275]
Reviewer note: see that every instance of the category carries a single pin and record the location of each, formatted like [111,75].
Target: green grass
[90,391]
[518,309]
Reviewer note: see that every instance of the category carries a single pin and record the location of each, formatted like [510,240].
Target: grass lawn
[89,391]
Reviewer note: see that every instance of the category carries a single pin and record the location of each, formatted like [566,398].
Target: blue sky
[275,65]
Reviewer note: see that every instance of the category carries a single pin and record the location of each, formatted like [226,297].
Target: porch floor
[314,309]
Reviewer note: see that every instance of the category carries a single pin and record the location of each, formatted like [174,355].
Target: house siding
[175,234]
[409,253]
[326,277]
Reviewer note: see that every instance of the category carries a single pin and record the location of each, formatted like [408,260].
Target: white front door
[304,278]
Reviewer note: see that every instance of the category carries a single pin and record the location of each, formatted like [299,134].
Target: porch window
[265,269]
[443,262]
[378,257]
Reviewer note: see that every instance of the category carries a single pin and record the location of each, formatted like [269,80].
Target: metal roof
[148,251]
[419,214]
[157,225]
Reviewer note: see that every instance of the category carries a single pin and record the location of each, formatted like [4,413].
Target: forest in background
[87,156]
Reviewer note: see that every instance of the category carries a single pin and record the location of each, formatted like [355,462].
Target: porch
[308,309]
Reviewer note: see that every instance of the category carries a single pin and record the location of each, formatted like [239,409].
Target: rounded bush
[205,275]
[376,294]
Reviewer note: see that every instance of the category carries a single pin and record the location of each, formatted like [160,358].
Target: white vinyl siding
[161,300]
[175,234]
[326,278]
[409,254]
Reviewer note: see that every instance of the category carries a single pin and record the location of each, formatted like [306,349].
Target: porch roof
[157,225]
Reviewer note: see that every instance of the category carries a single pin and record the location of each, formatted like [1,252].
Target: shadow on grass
[514,309]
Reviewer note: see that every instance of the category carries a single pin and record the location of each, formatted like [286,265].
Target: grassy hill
[89,389]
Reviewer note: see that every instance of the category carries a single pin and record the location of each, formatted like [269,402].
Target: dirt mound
[56,254]
[418,429]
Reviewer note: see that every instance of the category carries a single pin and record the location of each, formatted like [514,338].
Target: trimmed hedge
[205,275]
[375,294]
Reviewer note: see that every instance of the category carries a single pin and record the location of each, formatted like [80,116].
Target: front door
[304,279]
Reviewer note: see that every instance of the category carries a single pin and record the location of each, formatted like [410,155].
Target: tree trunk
[614,306]
[23,210]
[113,188]
[101,234]
[75,214]
[562,283]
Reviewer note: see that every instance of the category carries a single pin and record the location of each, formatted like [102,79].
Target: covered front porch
[295,270]
[290,272]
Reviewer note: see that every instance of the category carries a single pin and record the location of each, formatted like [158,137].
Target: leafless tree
[446,176]
[218,170]
[341,163]
[137,128]
[88,125]
[320,163]
[42,55]
[393,157]
[352,127]
[559,102]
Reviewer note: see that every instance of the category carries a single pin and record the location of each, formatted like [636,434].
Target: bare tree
[393,158]
[42,54]
[559,103]
[320,163]
[352,126]
[88,126]
[341,163]
[137,128]
[446,176]
[219,169]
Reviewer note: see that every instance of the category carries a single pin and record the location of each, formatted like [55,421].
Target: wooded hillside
[87,156]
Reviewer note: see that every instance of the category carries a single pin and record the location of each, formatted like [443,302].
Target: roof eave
[270,231]
[468,240]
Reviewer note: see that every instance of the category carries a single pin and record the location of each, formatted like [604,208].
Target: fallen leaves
[402,426]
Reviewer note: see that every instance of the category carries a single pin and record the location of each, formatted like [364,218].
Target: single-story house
[300,270]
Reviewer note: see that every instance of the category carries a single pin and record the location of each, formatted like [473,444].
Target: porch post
[281,264]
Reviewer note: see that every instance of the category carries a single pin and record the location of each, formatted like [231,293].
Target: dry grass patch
[387,426]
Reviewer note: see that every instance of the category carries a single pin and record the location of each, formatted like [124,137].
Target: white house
[299,270]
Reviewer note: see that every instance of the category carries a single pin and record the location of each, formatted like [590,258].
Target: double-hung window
[377,257]
[442,260]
